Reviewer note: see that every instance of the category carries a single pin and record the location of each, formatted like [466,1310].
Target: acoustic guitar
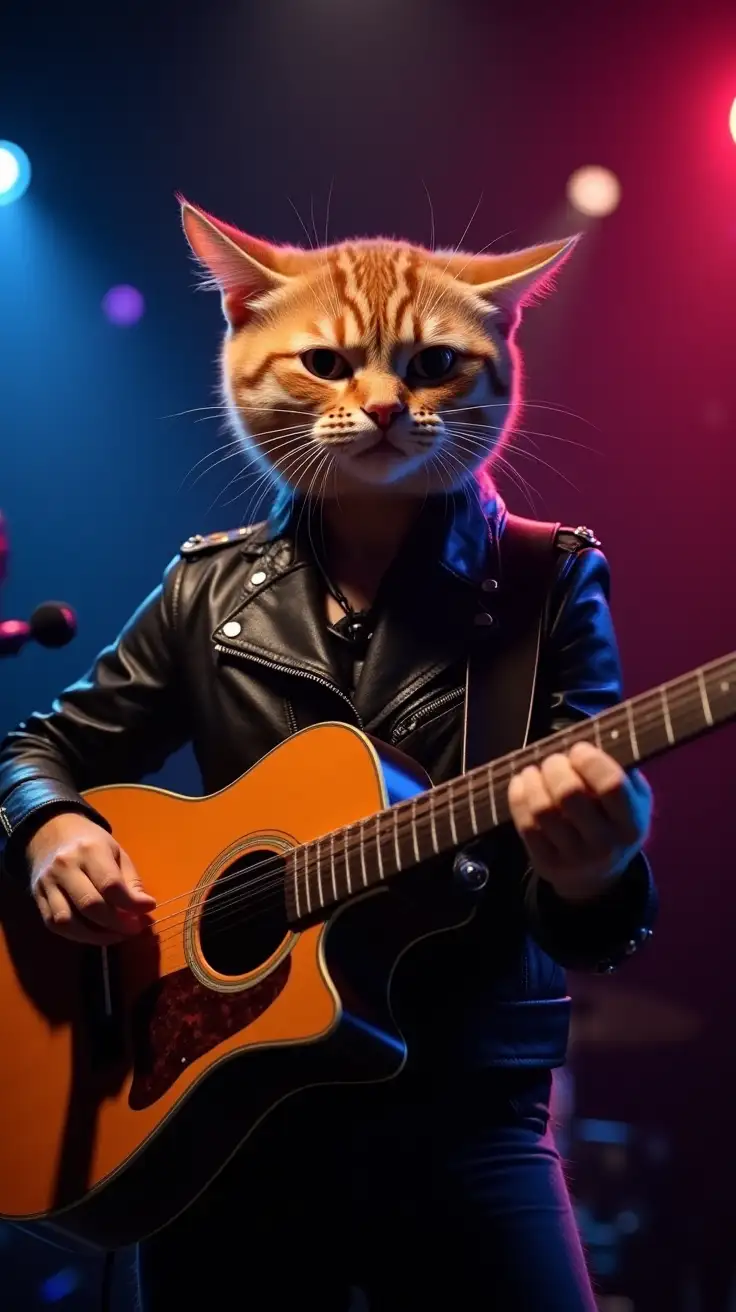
[131,1074]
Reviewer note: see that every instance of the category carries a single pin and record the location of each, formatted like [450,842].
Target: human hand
[84,884]
[581,817]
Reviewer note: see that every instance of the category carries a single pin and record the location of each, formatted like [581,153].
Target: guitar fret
[453,826]
[379,850]
[346,859]
[363,871]
[433,824]
[332,865]
[471,807]
[667,716]
[492,796]
[704,699]
[295,868]
[320,895]
[632,731]
[397,849]
[306,880]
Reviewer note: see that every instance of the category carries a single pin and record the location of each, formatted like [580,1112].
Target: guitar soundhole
[243,919]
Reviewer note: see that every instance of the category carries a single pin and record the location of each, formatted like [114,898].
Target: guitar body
[131,1075]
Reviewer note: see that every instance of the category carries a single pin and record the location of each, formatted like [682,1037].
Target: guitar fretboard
[348,861]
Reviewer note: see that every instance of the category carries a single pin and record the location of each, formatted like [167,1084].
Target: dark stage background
[242,106]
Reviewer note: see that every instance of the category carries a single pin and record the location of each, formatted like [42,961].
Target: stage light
[123,305]
[594,191]
[60,1285]
[732,120]
[15,172]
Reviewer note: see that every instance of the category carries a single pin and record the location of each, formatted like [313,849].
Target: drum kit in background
[620,1173]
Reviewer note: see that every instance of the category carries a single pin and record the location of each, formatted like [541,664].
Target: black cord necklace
[356,626]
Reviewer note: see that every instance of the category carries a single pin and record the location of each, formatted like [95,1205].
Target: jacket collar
[425,609]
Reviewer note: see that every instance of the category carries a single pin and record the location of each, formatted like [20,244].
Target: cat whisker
[327,212]
[282,410]
[525,405]
[251,515]
[236,447]
[233,445]
[321,457]
[518,480]
[265,485]
[438,297]
[554,407]
[524,432]
[444,291]
[302,224]
[334,310]
[474,448]
[180,414]
[311,215]
[532,455]
[431,216]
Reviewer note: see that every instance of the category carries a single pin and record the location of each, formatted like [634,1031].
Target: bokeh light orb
[594,191]
[15,172]
[123,305]
[732,120]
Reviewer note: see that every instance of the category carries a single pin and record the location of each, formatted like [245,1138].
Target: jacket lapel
[280,616]
[425,610]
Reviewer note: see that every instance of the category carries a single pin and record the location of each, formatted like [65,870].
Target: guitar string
[265,901]
[274,881]
[485,773]
[343,847]
[241,909]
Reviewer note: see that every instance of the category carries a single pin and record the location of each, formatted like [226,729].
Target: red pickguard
[179,1019]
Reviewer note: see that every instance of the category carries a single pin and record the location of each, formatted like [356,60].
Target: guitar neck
[364,855]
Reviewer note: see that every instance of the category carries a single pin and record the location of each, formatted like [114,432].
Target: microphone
[52,624]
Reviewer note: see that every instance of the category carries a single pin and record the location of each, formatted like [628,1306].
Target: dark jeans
[423,1197]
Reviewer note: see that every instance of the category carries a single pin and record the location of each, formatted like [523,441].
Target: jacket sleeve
[580,675]
[115,725]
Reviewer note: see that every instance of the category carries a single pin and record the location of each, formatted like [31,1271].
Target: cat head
[370,363]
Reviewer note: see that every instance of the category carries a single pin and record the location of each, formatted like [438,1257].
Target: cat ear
[508,282]
[243,267]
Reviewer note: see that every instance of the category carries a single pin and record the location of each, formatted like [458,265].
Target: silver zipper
[291,669]
[412,721]
[291,717]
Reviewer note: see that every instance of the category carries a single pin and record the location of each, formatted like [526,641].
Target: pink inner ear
[235,307]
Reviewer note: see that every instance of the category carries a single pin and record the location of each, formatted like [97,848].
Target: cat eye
[433,364]
[327,364]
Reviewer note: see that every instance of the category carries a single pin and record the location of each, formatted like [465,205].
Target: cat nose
[384,414]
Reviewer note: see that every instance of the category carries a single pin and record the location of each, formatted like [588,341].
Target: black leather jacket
[232,653]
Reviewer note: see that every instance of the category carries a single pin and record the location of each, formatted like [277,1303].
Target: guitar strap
[504,654]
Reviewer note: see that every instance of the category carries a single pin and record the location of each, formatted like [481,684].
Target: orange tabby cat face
[371,363]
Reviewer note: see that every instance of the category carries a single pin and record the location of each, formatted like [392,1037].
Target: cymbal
[604,1015]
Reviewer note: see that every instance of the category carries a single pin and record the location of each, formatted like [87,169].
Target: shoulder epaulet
[201,543]
[575,539]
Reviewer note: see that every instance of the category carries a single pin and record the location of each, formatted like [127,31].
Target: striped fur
[376,303]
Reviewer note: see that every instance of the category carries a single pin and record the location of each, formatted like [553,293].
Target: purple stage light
[123,305]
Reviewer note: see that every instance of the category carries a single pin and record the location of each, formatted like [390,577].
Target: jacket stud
[231,629]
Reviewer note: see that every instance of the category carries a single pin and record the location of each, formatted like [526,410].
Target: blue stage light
[15,172]
[60,1285]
